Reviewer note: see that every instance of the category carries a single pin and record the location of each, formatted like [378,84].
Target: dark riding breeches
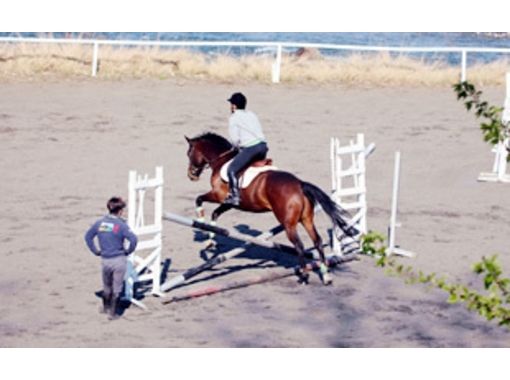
[244,158]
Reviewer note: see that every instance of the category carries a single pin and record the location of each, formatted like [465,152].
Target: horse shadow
[263,258]
[224,244]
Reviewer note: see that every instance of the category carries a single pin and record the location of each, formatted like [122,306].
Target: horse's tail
[334,211]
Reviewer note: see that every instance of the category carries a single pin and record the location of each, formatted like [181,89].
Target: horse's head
[197,160]
[204,150]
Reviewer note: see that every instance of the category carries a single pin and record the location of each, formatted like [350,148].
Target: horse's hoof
[327,279]
[303,277]
[209,244]
[325,276]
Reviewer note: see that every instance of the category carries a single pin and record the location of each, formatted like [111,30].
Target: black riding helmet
[239,100]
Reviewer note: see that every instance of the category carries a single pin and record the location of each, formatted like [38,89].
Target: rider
[246,134]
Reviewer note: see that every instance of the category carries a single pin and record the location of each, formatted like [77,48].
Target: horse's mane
[215,139]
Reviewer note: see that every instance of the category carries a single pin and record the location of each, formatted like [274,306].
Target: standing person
[111,231]
[246,134]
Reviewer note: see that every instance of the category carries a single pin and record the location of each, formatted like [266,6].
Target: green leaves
[494,304]
[492,127]
[372,244]
[464,89]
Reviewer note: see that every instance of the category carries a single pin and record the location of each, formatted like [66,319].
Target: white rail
[277,46]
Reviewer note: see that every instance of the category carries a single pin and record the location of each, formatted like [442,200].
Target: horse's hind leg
[294,238]
[307,221]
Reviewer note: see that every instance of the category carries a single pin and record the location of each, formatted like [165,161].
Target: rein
[194,172]
[209,164]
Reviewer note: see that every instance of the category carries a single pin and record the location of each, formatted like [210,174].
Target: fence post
[464,64]
[392,248]
[94,59]
[394,202]
[277,65]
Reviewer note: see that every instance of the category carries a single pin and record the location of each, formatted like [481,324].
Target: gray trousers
[245,157]
[114,270]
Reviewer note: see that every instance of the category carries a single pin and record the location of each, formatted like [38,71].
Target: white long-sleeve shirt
[244,129]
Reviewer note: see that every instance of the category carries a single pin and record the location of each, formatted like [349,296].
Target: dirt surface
[67,147]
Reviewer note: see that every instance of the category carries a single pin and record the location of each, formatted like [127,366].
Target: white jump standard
[500,150]
[147,266]
[349,190]
[348,174]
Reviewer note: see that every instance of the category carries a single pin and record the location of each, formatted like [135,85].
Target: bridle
[195,171]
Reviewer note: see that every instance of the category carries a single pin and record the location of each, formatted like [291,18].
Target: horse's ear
[187,139]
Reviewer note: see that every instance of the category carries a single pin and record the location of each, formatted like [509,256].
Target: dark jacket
[111,231]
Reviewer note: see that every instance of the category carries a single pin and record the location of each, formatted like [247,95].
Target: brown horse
[291,200]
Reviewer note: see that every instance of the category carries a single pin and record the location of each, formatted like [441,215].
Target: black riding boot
[107,303]
[112,313]
[233,197]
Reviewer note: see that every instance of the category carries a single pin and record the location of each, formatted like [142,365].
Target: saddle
[250,173]
[261,163]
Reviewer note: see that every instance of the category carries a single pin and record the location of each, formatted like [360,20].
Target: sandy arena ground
[67,147]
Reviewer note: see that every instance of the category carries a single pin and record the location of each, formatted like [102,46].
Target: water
[375,39]
[398,39]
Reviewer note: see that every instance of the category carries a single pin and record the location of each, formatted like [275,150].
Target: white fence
[277,47]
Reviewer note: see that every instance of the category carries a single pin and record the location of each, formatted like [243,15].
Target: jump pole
[193,223]
[214,289]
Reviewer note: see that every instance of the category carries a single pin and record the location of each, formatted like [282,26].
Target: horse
[291,200]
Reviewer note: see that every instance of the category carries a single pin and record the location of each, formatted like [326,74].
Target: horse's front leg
[214,217]
[211,197]
[200,212]
[220,210]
